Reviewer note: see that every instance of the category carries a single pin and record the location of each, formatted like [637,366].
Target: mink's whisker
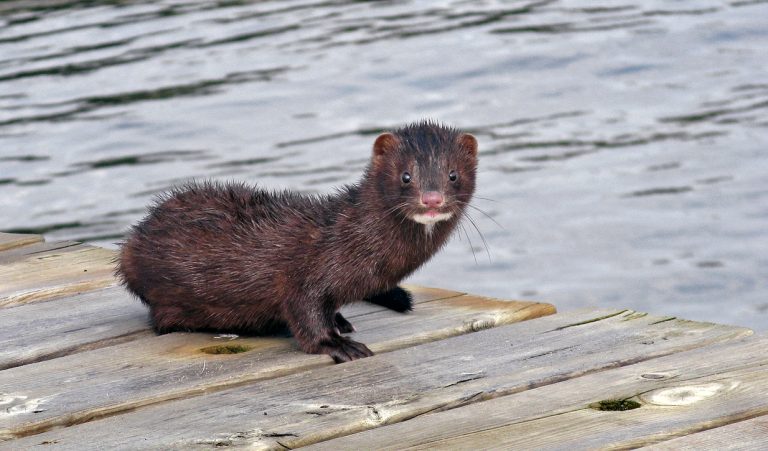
[471,247]
[483,212]
[482,237]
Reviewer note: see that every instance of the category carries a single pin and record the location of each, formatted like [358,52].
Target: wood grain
[333,401]
[44,330]
[18,254]
[33,276]
[679,394]
[152,369]
[747,434]
[12,240]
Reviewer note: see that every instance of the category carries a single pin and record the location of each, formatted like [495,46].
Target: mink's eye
[406,178]
[453,176]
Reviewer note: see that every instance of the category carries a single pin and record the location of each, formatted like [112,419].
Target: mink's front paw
[342,349]
[396,299]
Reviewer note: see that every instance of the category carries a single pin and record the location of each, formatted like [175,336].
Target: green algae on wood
[230,348]
[615,405]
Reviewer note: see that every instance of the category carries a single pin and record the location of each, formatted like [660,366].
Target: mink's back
[214,254]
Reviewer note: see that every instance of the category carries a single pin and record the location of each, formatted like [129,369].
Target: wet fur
[236,258]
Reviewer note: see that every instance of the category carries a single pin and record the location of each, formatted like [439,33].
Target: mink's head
[425,171]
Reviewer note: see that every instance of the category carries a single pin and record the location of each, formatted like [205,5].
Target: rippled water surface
[623,145]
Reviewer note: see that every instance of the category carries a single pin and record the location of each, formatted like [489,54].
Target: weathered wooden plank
[43,330]
[678,394]
[747,434]
[12,240]
[18,254]
[328,402]
[50,273]
[40,331]
[154,369]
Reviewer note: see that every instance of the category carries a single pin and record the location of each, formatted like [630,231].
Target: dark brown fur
[235,258]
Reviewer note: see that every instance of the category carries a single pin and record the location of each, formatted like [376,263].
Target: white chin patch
[430,220]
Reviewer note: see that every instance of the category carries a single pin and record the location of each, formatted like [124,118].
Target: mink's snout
[432,199]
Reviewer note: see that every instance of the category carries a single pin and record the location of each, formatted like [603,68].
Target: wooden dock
[80,369]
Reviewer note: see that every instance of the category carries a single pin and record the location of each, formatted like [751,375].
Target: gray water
[623,144]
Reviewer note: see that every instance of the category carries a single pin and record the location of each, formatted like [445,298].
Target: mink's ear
[385,143]
[468,143]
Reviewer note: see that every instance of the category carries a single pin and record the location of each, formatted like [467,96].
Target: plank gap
[592,320]
[693,429]
[102,343]
[750,433]
[63,246]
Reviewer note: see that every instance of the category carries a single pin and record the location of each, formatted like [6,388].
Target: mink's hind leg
[168,319]
[396,299]
[343,326]
[313,323]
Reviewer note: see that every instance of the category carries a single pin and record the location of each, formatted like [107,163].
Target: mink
[230,257]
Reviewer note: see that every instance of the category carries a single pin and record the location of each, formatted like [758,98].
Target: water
[623,144]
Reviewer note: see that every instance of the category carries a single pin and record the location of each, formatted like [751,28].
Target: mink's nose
[432,199]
